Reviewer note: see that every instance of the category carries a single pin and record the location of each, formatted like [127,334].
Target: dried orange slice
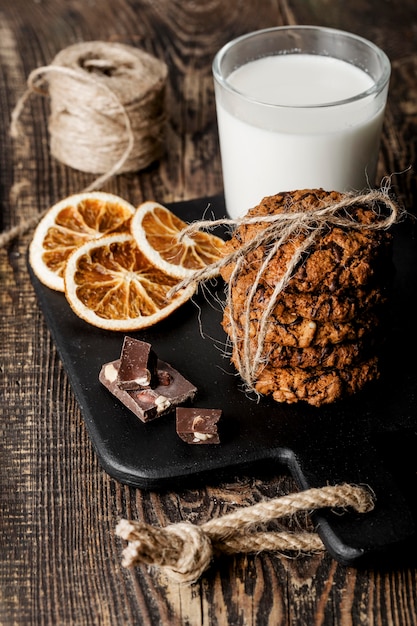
[70,223]
[157,232]
[111,284]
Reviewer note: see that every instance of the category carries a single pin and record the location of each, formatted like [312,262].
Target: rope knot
[182,550]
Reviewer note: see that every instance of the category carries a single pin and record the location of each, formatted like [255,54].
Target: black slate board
[369,439]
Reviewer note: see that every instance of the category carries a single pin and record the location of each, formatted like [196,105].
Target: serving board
[369,439]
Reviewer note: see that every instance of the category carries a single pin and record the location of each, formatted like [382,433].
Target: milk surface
[287,133]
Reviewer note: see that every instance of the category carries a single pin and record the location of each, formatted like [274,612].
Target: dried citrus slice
[111,284]
[157,232]
[70,223]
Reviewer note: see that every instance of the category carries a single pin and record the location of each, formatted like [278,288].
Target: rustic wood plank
[60,562]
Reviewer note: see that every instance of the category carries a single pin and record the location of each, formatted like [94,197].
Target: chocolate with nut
[137,365]
[171,389]
[199,426]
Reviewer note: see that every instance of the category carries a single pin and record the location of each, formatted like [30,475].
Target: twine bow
[184,551]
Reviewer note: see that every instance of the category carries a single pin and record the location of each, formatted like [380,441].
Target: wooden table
[60,562]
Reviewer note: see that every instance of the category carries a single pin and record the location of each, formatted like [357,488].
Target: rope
[107,112]
[184,551]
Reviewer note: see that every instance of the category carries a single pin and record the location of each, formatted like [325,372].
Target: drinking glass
[298,107]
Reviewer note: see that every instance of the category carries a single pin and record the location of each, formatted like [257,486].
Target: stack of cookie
[321,334]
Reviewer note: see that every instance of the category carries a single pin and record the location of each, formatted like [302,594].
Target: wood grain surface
[60,562]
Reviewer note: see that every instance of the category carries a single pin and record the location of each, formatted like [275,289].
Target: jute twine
[107,107]
[107,111]
[184,551]
[279,229]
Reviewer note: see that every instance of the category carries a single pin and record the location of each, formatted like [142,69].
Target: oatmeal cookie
[316,386]
[339,355]
[300,332]
[342,306]
[318,343]
[345,258]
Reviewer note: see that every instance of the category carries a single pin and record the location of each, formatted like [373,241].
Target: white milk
[300,143]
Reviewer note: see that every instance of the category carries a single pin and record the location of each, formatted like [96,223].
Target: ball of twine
[107,107]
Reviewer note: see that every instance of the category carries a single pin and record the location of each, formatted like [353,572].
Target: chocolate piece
[171,390]
[137,365]
[198,426]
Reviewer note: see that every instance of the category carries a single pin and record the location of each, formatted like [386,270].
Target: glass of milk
[298,107]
